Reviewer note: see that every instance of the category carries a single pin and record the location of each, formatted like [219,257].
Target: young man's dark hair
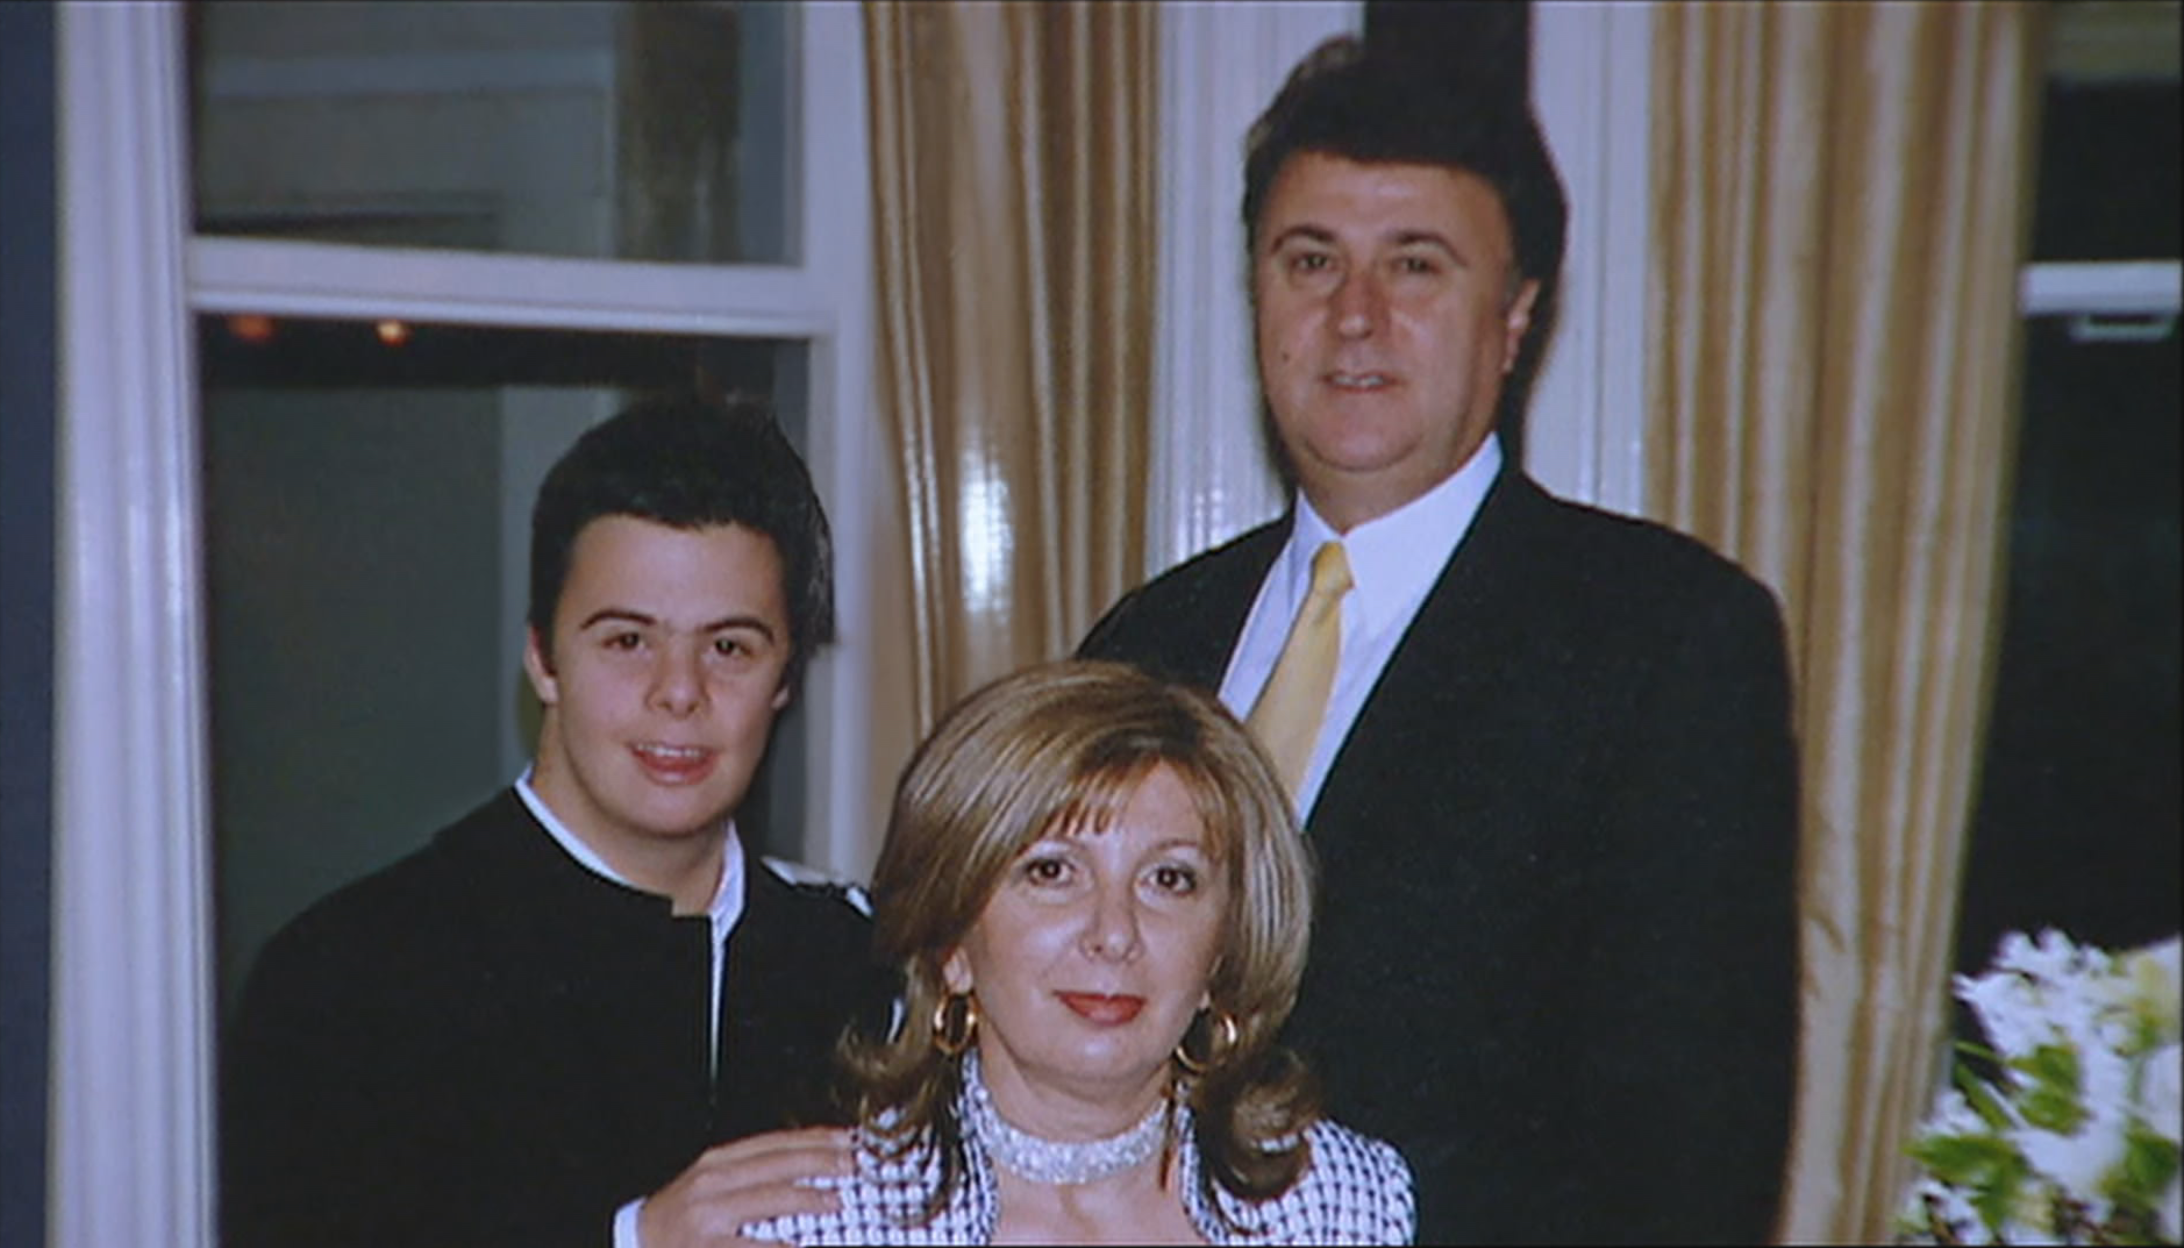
[689,462]
[1343,101]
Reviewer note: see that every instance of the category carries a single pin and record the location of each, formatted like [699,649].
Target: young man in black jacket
[547,1025]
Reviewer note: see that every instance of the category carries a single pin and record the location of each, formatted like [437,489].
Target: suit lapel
[1450,677]
[1194,631]
[1229,597]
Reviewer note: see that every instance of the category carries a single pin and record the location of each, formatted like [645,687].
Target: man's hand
[752,1179]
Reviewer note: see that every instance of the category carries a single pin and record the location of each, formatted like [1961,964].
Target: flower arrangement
[2072,1136]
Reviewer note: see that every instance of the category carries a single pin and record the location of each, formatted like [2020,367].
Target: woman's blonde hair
[1060,747]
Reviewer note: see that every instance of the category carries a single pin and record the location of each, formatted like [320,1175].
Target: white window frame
[2102,288]
[1592,81]
[131,1140]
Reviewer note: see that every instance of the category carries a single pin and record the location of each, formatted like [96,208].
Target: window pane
[2108,172]
[623,131]
[367,532]
[2079,803]
[2108,134]
[2079,798]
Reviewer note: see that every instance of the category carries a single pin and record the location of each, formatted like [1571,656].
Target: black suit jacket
[1555,953]
[488,1044]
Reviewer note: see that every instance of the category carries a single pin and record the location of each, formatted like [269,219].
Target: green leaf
[2051,1110]
[1996,1197]
[1982,1099]
[2149,1161]
[1989,1168]
[1962,1160]
[2051,1102]
[2051,1064]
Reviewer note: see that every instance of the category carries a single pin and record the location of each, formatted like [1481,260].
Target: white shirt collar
[1394,562]
[727,903]
[1395,558]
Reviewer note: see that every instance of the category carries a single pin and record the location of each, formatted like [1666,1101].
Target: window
[434,242]
[617,131]
[2078,812]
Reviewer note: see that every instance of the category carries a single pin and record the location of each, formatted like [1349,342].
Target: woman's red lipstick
[1103,1009]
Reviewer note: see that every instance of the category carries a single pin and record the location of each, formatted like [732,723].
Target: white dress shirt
[1394,562]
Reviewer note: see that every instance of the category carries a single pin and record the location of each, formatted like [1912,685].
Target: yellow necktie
[1286,718]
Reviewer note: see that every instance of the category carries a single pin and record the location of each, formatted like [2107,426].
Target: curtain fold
[1841,206]
[1014,157]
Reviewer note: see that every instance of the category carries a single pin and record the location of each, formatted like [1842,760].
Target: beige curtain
[1014,153]
[1841,203]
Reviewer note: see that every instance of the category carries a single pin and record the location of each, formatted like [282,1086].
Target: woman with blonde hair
[1100,902]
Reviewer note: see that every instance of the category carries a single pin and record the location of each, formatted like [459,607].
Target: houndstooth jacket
[1354,1190]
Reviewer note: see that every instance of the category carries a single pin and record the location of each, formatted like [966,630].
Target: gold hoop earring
[955,1021]
[1217,1049]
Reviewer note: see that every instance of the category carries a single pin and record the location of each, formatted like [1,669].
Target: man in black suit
[1553,791]
[544,1027]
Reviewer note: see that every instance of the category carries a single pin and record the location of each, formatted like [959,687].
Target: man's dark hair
[690,462]
[1388,106]
[1388,109]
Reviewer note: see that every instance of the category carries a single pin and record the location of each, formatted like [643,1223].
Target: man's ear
[539,667]
[955,971]
[1515,321]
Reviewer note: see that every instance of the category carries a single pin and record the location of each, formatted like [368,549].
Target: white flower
[2058,1148]
[1953,1115]
[2008,1006]
[2076,1162]
[2160,1095]
[2157,972]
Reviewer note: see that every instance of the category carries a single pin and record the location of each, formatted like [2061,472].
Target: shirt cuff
[625,1224]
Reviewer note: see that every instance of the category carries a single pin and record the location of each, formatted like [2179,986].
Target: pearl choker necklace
[1056,1161]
